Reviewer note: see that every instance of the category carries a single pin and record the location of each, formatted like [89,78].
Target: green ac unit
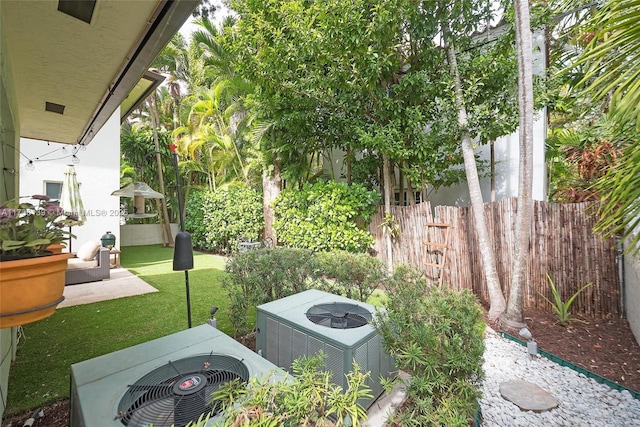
[312,321]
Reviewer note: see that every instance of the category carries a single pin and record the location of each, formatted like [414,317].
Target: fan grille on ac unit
[179,391]
[339,315]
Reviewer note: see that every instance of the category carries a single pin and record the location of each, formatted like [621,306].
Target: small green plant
[259,276]
[352,275]
[27,229]
[391,224]
[307,398]
[562,308]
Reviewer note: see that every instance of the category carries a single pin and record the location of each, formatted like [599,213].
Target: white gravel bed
[583,401]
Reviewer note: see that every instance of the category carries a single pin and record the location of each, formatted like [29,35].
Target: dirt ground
[605,347]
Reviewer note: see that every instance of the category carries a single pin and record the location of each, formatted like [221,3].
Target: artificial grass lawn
[48,348]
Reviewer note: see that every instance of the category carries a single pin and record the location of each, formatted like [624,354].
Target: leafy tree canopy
[370,76]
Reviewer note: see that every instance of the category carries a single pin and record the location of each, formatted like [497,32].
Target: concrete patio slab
[122,283]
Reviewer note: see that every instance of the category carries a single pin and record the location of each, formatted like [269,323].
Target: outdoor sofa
[90,264]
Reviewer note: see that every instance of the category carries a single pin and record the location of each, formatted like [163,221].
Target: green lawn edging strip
[562,362]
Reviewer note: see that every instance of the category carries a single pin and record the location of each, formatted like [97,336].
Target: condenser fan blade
[177,400]
[339,315]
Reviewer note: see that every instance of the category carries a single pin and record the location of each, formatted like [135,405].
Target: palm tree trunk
[271,186]
[153,110]
[387,209]
[514,317]
[496,297]
[401,186]
[163,230]
[411,198]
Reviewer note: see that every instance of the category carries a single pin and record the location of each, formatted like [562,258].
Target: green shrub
[325,216]
[437,336]
[260,276]
[194,218]
[263,275]
[217,220]
[308,398]
[352,275]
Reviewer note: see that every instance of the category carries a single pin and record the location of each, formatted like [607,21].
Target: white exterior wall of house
[98,174]
[9,125]
[631,279]
[506,155]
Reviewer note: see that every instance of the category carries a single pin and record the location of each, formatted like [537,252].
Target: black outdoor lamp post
[183,248]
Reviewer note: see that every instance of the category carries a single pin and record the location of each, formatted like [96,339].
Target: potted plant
[32,278]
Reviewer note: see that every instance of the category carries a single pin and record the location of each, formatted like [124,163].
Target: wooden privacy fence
[562,244]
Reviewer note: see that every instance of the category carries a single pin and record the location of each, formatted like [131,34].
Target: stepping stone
[528,396]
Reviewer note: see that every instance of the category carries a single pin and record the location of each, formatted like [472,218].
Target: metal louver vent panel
[299,347]
[284,345]
[335,364]
[272,341]
[369,357]
[179,391]
[315,346]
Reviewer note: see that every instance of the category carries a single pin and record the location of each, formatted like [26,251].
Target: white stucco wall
[144,234]
[10,146]
[632,292]
[506,154]
[98,174]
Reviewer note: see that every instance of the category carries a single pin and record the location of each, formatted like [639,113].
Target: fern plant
[562,307]
[307,398]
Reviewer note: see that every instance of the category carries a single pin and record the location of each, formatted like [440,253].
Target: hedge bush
[355,276]
[260,276]
[217,220]
[325,216]
[437,336]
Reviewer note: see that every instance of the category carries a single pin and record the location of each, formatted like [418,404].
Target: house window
[54,191]
[417,195]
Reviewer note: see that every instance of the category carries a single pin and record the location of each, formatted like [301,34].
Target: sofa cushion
[77,263]
[88,251]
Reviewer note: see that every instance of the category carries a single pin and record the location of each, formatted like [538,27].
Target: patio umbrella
[70,199]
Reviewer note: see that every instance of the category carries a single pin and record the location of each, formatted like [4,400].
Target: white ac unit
[312,321]
[164,382]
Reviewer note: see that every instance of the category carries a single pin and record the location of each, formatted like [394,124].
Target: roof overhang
[83,71]
[145,87]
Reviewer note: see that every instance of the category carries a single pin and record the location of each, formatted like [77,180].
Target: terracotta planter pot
[31,289]
[56,248]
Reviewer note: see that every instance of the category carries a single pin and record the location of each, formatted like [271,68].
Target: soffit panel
[60,59]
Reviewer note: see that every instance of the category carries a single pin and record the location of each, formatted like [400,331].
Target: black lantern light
[183,252]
